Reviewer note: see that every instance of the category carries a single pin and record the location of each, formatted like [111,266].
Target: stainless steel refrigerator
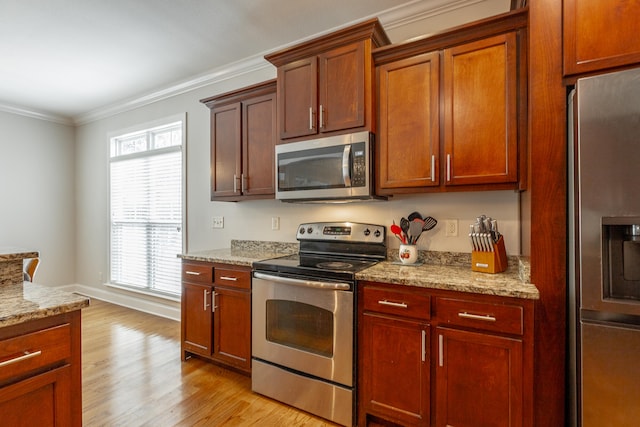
[604,249]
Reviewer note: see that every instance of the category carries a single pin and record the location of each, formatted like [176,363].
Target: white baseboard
[168,309]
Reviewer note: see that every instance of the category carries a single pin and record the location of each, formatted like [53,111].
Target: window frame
[123,133]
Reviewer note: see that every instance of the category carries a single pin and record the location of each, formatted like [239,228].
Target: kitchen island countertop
[29,301]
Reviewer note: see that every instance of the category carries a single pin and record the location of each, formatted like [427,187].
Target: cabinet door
[409,123]
[298,98]
[258,145]
[225,150]
[342,88]
[394,372]
[480,112]
[478,380]
[232,327]
[43,400]
[196,319]
[599,34]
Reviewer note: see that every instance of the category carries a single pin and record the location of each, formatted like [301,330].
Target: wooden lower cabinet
[396,358]
[443,358]
[216,313]
[478,379]
[40,373]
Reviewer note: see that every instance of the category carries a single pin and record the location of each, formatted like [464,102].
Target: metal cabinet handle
[243,183]
[213,302]
[440,350]
[433,168]
[424,345]
[321,117]
[25,356]
[204,300]
[393,304]
[229,278]
[192,273]
[310,118]
[448,167]
[235,183]
[485,317]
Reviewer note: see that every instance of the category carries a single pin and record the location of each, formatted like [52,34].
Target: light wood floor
[132,375]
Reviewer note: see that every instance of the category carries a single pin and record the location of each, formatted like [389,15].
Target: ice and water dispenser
[621,257]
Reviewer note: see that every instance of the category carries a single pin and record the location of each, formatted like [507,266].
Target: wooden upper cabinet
[243,138]
[258,145]
[226,157]
[599,35]
[298,98]
[452,109]
[342,86]
[481,111]
[325,85]
[409,130]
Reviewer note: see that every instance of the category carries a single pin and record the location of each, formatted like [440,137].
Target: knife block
[490,262]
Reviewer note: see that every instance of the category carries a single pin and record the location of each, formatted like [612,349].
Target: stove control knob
[367,232]
[310,230]
[377,233]
[301,230]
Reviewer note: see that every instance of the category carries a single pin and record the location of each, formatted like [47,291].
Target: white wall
[37,178]
[252,219]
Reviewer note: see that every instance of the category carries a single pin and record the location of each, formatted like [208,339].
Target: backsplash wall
[251,220]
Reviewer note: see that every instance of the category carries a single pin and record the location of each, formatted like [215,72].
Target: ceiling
[68,58]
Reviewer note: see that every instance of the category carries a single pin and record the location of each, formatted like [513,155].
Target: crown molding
[391,18]
[40,115]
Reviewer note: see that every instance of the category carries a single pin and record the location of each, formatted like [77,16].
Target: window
[146,208]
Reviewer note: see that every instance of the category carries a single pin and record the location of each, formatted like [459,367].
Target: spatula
[429,223]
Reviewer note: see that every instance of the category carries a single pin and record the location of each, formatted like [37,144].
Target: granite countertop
[243,252]
[453,278]
[438,270]
[11,253]
[29,301]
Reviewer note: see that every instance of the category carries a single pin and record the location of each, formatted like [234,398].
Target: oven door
[304,325]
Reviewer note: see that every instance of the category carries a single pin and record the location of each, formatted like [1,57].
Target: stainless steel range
[303,318]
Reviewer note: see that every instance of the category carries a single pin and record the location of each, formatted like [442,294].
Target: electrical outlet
[218,222]
[275,223]
[451,227]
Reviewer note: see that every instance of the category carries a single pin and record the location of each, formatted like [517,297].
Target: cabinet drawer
[30,352]
[232,278]
[197,272]
[479,315]
[405,304]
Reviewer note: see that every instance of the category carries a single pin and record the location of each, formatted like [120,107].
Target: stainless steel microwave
[333,169]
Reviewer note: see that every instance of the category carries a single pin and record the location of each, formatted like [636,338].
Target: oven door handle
[304,283]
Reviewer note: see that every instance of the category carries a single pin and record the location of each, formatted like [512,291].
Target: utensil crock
[408,254]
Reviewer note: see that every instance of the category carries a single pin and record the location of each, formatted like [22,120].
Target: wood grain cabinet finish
[481,112]
[452,110]
[478,379]
[216,313]
[243,138]
[599,34]
[443,358]
[196,317]
[409,123]
[40,372]
[325,86]
[394,370]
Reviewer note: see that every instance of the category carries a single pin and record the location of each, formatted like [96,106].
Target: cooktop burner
[334,265]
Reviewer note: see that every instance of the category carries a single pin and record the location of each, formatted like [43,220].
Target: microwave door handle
[346,165]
